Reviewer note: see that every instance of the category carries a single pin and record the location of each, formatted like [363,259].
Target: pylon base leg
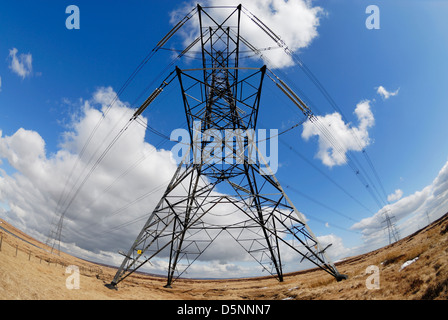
[341,277]
[112,286]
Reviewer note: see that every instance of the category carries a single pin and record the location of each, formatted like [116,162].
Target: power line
[325,93]
[131,77]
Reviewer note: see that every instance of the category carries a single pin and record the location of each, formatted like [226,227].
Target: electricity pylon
[220,97]
[393,233]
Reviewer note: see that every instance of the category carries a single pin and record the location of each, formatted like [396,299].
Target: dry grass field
[28,272]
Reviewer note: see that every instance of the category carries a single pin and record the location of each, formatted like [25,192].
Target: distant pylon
[55,235]
[427,216]
[391,228]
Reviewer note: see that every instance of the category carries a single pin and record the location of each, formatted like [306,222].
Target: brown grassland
[30,273]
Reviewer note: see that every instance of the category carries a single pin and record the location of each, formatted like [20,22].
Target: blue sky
[74,71]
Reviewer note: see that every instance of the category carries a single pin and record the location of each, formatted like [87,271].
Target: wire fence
[14,246]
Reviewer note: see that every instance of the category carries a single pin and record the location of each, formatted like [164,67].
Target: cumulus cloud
[395,196]
[45,185]
[294,21]
[22,64]
[409,212]
[386,94]
[349,138]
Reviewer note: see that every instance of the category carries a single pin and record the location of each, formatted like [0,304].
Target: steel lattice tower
[220,96]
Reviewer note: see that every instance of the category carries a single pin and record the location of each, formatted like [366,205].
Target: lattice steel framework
[220,96]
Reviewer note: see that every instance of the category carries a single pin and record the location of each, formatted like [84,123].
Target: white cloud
[386,94]
[0,84]
[349,138]
[409,212]
[295,22]
[22,64]
[42,180]
[395,196]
